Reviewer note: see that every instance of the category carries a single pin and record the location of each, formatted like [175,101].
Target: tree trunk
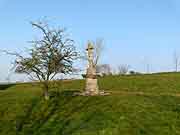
[46,92]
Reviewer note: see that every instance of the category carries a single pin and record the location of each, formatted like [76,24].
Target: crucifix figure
[91,79]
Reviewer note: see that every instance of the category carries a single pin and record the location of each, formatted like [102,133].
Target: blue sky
[136,32]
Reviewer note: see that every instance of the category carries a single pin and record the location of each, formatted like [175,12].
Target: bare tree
[99,47]
[147,68]
[104,69]
[147,65]
[123,69]
[176,61]
[49,56]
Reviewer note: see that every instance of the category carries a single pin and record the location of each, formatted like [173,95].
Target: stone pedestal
[91,86]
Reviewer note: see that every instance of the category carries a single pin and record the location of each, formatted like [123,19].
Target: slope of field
[24,112]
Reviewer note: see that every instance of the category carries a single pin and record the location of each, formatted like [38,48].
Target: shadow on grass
[62,111]
[20,120]
[5,86]
[39,111]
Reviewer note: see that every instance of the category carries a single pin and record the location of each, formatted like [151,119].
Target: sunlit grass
[23,110]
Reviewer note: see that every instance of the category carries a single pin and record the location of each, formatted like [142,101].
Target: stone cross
[91,80]
[90,52]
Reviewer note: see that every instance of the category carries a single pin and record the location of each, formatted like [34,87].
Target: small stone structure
[91,87]
[91,77]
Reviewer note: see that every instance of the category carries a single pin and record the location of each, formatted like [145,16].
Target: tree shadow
[21,120]
[66,125]
[54,105]
[40,111]
[5,86]
[63,107]
[64,129]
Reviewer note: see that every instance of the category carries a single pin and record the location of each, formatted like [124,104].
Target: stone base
[91,86]
[100,93]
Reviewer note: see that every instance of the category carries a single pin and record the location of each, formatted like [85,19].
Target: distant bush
[134,73]
[84,76]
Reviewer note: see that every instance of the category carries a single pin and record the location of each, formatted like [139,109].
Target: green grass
[24,112]
[155,83]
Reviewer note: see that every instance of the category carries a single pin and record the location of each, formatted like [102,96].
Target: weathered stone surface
[91,73]
[92,86]
[91,80]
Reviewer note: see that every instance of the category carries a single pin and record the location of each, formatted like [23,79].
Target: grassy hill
[138,105]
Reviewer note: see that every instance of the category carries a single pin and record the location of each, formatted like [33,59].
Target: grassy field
[156,111]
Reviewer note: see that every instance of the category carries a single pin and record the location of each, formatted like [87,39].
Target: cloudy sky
[136,32]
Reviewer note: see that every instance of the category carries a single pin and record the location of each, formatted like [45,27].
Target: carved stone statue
[91,77]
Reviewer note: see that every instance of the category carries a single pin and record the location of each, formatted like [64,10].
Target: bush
[134,73]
